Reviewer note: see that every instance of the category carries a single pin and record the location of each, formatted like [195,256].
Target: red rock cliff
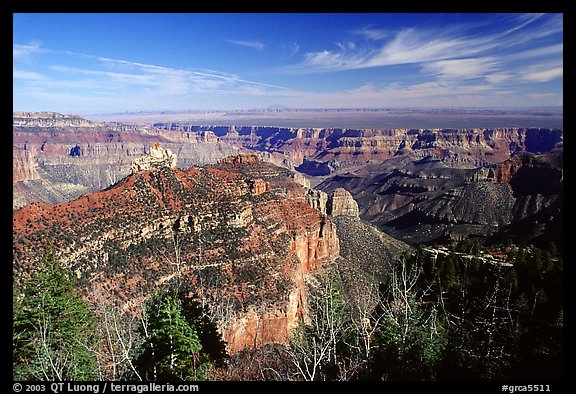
[244,250]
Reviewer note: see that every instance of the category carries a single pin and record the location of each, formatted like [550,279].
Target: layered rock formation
[342,203]
[50,119]
[317,199]
[241,232]
[393,174]
[58,157]
[157,157]
[246,233]
[319,151]
[423,201]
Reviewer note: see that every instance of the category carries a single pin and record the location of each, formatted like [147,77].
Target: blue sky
[101,63]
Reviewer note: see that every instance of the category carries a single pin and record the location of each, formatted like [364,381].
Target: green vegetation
[440,314]
[53,328]
[320,349]
[172,348]
[58,336]
[498,314]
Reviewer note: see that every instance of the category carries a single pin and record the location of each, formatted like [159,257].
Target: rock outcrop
[324,151]
[58,157]
[67,149]
[258,186]
[317,199]
[416,180]
[545,171]
[301,179]
[51,119]
[240,159]
[341,203]
[156,158]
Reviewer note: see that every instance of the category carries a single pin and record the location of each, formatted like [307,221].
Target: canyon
[401,178]
[426,201]
[242,231]
[320,151]
[58,157]
[248,214]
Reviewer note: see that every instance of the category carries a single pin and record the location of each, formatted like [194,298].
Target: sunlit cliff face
[241,232]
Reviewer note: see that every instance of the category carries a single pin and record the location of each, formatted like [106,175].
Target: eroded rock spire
[156,158]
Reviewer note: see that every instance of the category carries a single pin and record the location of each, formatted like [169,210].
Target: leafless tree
[52,364]
[315,344]
[494,326]
[118,339]
[397,307]
[364,299]
[176,261]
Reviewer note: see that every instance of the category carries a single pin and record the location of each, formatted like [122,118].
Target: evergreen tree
[53,328]
[553,249]
[172,349]
[448,273]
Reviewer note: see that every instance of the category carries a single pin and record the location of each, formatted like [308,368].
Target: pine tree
[448,272]
[53,328]
[172,349]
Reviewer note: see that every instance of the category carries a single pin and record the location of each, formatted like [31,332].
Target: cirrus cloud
[250,44]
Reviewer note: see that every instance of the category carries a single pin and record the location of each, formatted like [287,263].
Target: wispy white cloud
[461,68]
[23,52]
[151,74]
[346,45]
[545,51]
[291,48]
[122,78]
[406,47]
[524,20]
[478,63]
[542,96]
[426,94]
[543,75]
[418,46]
[421,45]
[371,33]
[30,75]
[250,44]
[198,75]
[471,64]
[328,61]
[130,83]
[497,78]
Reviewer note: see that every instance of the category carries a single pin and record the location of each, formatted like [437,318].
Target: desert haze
[352,118]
